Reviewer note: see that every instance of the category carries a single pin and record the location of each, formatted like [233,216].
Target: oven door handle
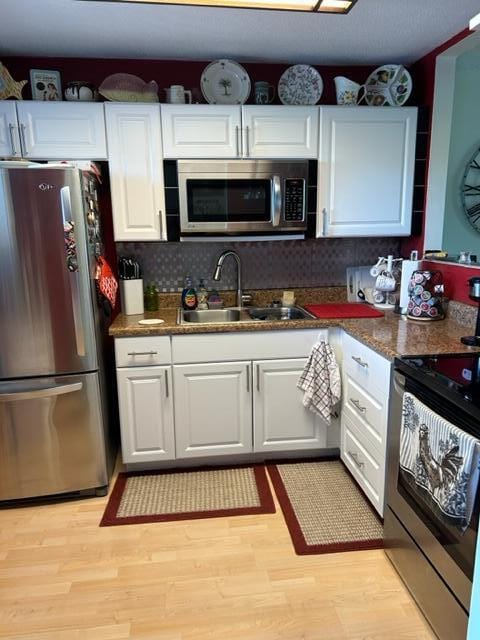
[276,200]
[399,383]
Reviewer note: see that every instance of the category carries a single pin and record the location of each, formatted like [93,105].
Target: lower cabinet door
[281,422]
[146,414]
[213,409]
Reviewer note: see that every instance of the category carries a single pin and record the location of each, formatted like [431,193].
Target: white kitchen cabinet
[226,131]
[146,414]
[9,132]
[280,132]
[365,171]
[364,419]
[136,171]
[281,422]
[201,131]
[213,409]
[62,130]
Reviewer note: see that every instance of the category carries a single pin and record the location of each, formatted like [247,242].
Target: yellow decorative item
[9,86]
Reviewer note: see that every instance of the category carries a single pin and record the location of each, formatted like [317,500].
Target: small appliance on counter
[474,294]
[426,296]
[360,284]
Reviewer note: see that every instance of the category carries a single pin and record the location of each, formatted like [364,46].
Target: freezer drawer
[51,436]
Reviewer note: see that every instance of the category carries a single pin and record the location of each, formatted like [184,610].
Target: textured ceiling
[375,31]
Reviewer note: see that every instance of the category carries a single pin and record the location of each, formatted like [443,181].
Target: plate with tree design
[225,82]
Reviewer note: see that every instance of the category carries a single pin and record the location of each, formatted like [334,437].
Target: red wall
[168,72]
[455,279]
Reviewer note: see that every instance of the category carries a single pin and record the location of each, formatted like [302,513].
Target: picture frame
[46,85]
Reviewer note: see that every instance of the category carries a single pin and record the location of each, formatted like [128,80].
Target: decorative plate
[123,87]
[390,85]
[300,84]
[225,82]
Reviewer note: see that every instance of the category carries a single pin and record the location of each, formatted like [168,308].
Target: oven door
[450,550]
[229,203]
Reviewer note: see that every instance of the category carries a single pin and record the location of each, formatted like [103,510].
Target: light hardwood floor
[64,578]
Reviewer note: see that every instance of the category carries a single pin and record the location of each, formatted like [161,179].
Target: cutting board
[344,310]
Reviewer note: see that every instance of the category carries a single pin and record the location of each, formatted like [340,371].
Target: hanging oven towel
[107,283]
[441,458]
[320,382]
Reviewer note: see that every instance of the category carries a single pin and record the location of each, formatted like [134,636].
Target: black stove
[455,376]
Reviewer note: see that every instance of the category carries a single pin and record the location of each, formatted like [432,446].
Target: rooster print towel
[441,458]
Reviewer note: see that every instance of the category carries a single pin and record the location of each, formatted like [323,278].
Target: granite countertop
[390,336]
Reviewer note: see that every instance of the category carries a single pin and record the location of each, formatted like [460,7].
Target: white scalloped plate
[225,82]
[151,321]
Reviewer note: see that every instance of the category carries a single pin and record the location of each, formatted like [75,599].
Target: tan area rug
[183,495]
[324,509]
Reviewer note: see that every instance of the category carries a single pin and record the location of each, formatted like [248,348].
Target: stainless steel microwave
[242,197]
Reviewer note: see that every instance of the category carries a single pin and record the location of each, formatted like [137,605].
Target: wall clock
[471,191]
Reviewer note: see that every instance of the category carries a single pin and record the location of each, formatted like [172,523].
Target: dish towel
[441,458]
[320,382]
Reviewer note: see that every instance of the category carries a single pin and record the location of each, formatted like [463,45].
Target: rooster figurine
[439,473]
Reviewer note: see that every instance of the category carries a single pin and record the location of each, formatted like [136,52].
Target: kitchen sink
[210,316]
[279,313]
[246,314]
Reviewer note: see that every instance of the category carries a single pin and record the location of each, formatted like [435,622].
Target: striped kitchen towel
[320,382]
[441,458]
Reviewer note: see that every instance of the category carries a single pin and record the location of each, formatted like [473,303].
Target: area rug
[162,496]
[324,509]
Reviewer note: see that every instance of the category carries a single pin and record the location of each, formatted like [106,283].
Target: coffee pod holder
[474,294]
[425,291]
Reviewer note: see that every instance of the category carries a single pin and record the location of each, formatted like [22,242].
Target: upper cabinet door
[365,171]
[136,171]
[201,131]
[9,136]
[280,132]
[62,130]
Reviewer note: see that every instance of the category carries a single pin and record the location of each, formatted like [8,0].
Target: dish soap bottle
[189,295]
[202,295]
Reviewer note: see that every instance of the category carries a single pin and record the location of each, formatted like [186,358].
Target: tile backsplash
[265,265]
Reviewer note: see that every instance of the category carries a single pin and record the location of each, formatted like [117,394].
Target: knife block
[131,293]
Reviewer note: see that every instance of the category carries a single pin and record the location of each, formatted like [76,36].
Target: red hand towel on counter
[343,310]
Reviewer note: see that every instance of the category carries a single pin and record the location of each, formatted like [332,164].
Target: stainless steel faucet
[218,272]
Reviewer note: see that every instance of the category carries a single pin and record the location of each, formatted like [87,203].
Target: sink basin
[211,316]
[279,313]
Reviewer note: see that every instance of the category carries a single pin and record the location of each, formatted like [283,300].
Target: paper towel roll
[408,267]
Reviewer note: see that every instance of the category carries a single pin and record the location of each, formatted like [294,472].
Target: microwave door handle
[276,200]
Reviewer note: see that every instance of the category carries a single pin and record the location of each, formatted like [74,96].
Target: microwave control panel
[294,199]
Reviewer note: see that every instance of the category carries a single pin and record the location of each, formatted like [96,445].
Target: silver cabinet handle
[23,139]
[354,457]
[237,142]
[247,141]
[167,393]
[41,393]
[67,216]
[248,378]
[276,200]
[324,222]
[258,377]
[11,128]
[142,353]
[361,362]
[356,404]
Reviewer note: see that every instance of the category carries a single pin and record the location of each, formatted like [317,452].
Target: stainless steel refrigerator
[55,399]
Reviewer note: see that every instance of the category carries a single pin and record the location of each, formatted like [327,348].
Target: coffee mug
[348,92]
[264,93]
[176,94]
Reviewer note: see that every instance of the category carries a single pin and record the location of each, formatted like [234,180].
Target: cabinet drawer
[366,367]
[366,466]
[142,352]
[368,413]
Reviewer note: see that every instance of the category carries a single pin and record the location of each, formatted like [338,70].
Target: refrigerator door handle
[69,231]
[41,393]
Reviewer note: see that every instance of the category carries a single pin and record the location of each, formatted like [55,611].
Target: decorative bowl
[124,87]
